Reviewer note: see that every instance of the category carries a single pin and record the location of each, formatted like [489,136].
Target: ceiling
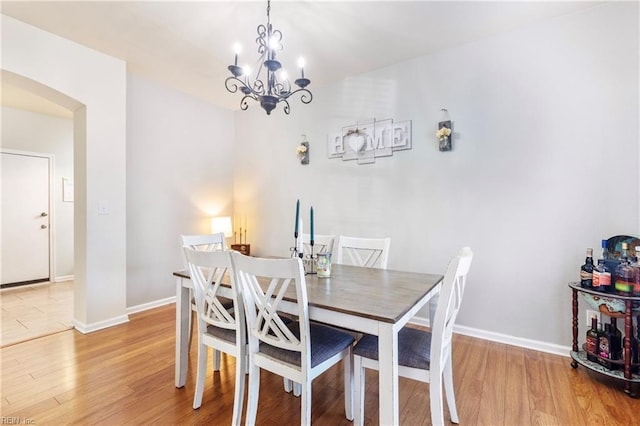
[188,45]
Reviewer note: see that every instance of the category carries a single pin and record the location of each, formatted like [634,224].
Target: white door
[25,218]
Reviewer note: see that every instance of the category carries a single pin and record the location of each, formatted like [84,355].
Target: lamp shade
[221,224]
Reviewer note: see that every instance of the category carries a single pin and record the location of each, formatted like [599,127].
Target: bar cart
[628,308]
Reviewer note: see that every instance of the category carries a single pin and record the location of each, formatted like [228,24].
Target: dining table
[366,300]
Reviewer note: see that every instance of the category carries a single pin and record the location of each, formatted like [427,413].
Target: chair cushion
[325,342]
[226,302]
[222,333]
[414,348]
[227,334]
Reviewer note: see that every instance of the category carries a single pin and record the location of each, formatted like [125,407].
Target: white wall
[545,163]
[93,85]
[180,160]
[45,134]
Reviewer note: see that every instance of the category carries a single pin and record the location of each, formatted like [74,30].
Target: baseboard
[88,328]
[151,305]
[63,278]
[535,345]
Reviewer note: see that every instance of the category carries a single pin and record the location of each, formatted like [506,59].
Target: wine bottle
[586,271]
[615,343]
[624,274]
[601,272]
[592,340]
[604,347]
[602,277]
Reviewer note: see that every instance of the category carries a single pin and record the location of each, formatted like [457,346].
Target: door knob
[43,214]
[43,226]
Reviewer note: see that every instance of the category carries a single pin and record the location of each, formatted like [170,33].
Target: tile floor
[34,311]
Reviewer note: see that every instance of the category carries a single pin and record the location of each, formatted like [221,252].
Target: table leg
[388,374]
[183,311]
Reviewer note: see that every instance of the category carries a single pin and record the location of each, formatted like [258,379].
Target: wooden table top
[379,294]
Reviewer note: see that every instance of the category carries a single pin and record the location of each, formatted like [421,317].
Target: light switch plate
[590,314]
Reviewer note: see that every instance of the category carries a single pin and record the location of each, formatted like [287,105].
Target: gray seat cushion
[222,333]
[414,348]
[325,342]
[230,335]
[226,302]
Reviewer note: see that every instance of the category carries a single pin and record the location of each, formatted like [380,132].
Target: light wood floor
[124,375]
[35,310]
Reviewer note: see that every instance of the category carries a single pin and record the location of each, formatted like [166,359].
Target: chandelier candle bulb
[236,51]
[301,65]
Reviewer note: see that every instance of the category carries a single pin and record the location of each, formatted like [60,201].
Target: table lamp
[221,224]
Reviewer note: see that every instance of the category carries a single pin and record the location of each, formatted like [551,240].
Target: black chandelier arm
[305,95]
[243,102]
[280,88]
[234,84]
[287,108]
[258,87]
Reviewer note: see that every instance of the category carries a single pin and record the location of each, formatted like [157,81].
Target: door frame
[51,160]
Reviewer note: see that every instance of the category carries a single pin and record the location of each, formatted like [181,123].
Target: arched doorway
[93,86]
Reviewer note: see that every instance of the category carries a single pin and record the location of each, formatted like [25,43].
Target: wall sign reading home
[365,142]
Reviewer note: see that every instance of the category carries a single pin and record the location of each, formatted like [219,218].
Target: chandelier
[275,88]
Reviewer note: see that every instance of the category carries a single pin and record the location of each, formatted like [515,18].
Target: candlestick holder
[295,253]
[310,264]
[294,250]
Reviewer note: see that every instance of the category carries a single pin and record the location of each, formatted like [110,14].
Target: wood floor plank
[566,405]
[516,405]
[469,369]
[541,404]
[492,409]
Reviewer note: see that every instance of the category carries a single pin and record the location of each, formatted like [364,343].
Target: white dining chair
[423,355]
[218,327]
[204,242]
[299,350]
[366,252]
[321,244]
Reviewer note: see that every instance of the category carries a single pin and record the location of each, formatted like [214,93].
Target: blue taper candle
[295,233]
[311,237]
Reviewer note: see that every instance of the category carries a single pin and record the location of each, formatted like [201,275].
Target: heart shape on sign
[356,142]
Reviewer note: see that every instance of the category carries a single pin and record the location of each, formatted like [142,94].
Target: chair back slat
[365,252]
[208,269]
[203,242]
[321,244]
[266,283]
